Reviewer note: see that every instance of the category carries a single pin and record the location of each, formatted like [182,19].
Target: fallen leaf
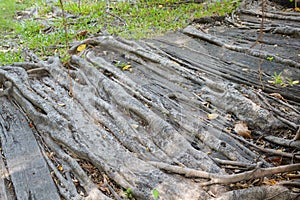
[81,47]
[60,168]
[276,160]
[61,104]
[126,67]
[269,181]
[295,82]
[241,128]
[135,126]
[276,95]
[212,116]
[82,33]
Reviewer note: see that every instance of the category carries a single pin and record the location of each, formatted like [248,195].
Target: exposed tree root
[171,111]
[260,54]
[226,179]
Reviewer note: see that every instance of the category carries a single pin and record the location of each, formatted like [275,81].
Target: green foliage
[278,80]
[128,193]
[7,9]
[143,19]
[155,194]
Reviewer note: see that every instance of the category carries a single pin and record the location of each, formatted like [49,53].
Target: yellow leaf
[126,67]
[269,181]
[60,168]
[212,116]
[81,47]
[297,9]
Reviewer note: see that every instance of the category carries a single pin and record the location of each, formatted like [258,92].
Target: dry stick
[234,163]
[226,179]
[297,136]
[283,142]
[111,189]
[113,15]
[271,151]
[260,37]
[278,113]
[67,44]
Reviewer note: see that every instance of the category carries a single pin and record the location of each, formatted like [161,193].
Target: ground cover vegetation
[38,25]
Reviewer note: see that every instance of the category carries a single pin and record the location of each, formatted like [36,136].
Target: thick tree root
[165,121]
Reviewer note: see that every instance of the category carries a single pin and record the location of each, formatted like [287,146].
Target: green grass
[146,18]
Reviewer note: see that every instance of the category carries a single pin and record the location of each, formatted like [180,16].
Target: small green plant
[155,194]
[128,193]
[277,79]
[292,82]
[270,58]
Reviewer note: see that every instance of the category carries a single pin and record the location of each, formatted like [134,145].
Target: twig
[64,22]
[113,15]
[79,5]
[260,38]
[279,115]
[67,44]
[297,136]
[111,189]
[283,142]
[290,184]
[271,151]
[234,163]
